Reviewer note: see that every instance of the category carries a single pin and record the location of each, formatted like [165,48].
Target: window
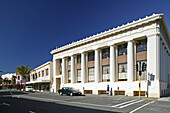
[69,76]
[78,58]
[122,49]
[122,71]
[18,77]
[69,61]
[144,74]
[141,45]
[105,53]
[42,73]
[91,56]
[78,75]
[60,62]
[46,72]
[39,74]
[91,75]
[35,75]
[106,73]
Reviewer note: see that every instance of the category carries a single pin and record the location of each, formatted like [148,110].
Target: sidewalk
[167,99]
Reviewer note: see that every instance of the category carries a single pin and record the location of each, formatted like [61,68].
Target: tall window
[39,74]
[123,71]
[35,75]
[91,74]
[144,74]
[78,75]
[91,56]
[105,53]
[18,77]
[78,58]
[106,73]
[46,72]
[141,45]
[42,73]
[69,61]
[69,76]
[122,49]
[60,62]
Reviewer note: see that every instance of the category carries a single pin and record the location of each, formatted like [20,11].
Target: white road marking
[31,112]
[141,107]
[6,104]
[123,103]
[131,104]
[11,92]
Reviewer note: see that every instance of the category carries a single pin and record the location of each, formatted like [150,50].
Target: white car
[29,88]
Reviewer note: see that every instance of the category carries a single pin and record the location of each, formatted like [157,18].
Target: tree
[1,71]
[1,80]
[24,72]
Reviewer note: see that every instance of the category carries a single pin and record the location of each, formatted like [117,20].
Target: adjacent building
[42,77]
[112,57]
[17,79]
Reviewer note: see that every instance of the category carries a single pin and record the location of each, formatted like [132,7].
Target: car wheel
[71,94]
[61,93]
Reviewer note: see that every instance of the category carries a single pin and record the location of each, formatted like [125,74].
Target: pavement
[166,98]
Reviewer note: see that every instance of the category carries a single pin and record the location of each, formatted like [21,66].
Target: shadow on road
[12,93]
[20,105]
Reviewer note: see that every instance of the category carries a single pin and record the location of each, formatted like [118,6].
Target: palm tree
[1,80]
[24,72]
[1,71]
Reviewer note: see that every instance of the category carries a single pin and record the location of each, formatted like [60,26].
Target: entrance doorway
[58,83]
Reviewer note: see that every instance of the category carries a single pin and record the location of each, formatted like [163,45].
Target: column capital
[131,41]
[113,45]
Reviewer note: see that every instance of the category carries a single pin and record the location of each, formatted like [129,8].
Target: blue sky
[30,29]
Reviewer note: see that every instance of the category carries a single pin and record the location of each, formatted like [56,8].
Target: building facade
[9,76]
[112,58]
[42,77]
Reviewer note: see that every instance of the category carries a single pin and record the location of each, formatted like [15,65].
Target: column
[54,75]
[130,61]
[72,69]
[153,55]
[64,70]
[97,65]
[83,67]
[112,63]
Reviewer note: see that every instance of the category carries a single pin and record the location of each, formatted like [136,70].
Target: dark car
[69,91]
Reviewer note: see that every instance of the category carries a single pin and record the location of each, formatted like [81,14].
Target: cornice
[41,66]
[118,29]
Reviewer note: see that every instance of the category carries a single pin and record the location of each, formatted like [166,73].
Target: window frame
[106,75]
[91,78]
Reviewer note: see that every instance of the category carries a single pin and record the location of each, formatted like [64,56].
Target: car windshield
[70,88]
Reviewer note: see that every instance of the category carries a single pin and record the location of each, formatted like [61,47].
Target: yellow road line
[148,99]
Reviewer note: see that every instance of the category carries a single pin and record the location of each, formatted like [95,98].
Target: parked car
[29,88]
[69,91]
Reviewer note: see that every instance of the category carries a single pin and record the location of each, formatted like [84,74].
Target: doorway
[58,83]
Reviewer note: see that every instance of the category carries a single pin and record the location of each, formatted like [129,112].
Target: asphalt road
[19,102]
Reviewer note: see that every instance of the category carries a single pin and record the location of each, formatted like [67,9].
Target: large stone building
[110,58]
